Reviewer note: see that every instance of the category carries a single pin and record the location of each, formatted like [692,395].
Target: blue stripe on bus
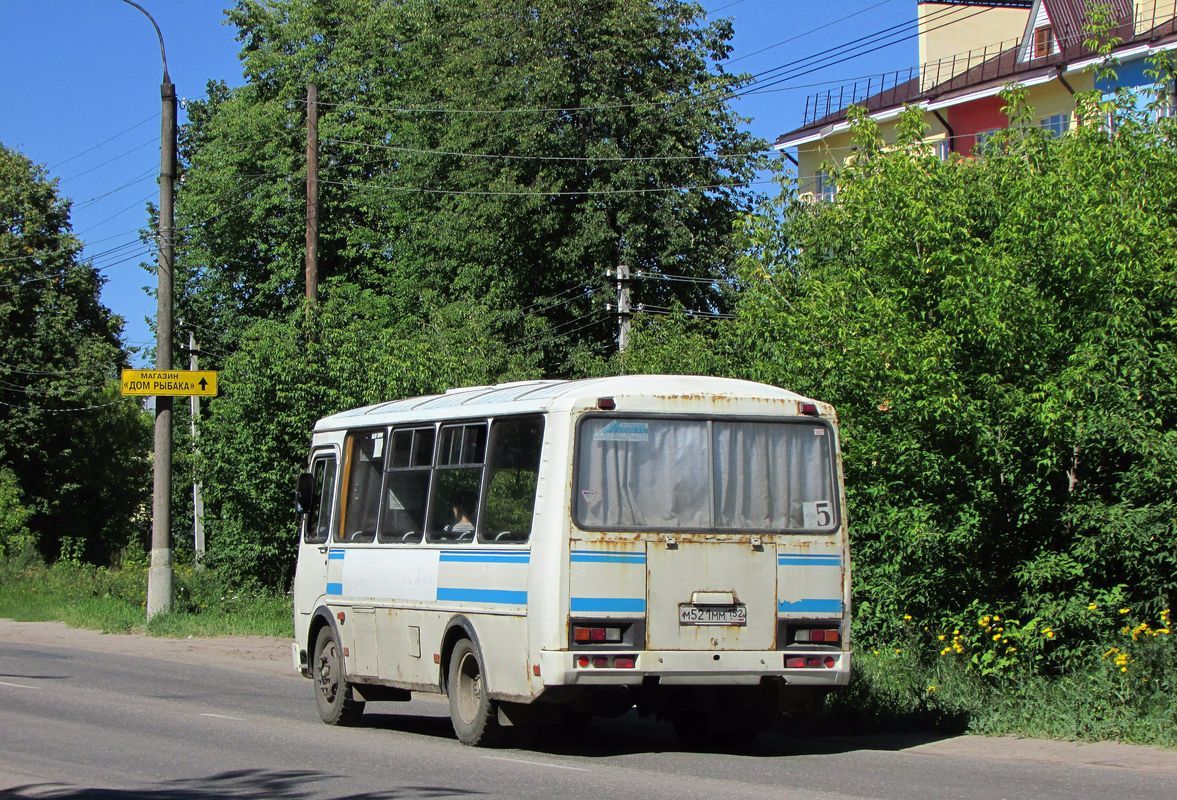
[605,604]
[335,588]
[581,557]
[336,555]
[497,596]
[486,558]
[809,561]
[811,605]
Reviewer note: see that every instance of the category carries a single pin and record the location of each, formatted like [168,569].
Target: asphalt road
[82,723]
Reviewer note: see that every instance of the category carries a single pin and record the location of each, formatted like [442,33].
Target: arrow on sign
[203,384]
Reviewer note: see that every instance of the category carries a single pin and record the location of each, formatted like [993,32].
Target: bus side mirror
[304,497]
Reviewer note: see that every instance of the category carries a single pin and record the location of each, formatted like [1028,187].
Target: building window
[942,149]
[984,140]
[1056,124]
[1167,101]
[823,186]
[1043,39]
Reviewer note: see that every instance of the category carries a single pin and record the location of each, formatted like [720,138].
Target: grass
[1100,695]
[112,601]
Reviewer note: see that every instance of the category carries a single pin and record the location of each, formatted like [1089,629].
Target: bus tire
[333,693]
[472,712]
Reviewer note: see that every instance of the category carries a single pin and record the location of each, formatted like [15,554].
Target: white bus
[546,551]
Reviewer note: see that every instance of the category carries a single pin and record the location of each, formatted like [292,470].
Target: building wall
[1150,13]
[961,29]
[977,116]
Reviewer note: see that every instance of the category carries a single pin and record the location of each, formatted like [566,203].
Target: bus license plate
[712,615]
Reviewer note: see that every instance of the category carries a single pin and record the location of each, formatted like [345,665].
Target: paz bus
[545,551]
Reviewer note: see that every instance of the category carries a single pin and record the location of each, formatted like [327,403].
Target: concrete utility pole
[159,576]
[623,307]
[312,246]
[197,489]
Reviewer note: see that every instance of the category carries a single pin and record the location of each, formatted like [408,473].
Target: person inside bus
[461,527]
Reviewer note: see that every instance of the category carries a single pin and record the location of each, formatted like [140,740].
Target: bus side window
[318,522]
[363,468]
[453,515]
[406,486]
[515,444]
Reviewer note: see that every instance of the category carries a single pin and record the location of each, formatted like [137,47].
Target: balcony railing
[978,65]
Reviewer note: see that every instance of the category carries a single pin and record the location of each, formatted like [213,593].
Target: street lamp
[159,577]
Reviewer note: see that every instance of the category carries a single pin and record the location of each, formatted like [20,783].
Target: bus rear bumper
[697,668]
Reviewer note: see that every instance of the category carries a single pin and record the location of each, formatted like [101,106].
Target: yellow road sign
[169,383]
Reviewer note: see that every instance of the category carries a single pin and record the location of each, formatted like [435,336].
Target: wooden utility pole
[312,245]
[623,307]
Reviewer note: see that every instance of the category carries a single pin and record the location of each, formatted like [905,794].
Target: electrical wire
[138,124]
[514,157]
[534,193]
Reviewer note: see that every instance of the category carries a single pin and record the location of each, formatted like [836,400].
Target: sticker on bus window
[819,431]
[590,495]
[817,514]
[620,430]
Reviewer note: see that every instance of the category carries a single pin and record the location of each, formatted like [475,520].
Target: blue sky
[79,94]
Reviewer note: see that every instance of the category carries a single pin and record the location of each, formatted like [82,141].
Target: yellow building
[969,51]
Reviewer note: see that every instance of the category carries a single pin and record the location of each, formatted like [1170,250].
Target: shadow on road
[633,735]
[242,784]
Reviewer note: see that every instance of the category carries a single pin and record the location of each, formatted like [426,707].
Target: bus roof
[550,395]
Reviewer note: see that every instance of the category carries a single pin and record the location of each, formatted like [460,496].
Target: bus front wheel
[333,694]
[473,713]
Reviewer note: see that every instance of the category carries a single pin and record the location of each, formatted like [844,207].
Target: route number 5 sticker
[818,514]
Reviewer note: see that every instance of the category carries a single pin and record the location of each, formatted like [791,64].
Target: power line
[762,84]
[138,124]
[111,160]
[806,33]
[535,193]
[26,406]
[515,157]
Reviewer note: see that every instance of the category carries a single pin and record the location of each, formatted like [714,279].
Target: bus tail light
[606,403]
[583,634]
[606,662]
[810,662]
[822,635]
[808,409]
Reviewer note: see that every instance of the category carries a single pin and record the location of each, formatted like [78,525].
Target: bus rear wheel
[473,713]
[333,693]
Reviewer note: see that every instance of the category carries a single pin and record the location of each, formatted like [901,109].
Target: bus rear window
[682,474]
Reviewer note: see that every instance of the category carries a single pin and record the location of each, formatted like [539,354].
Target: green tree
[998,335]
[483,165]
[79,452]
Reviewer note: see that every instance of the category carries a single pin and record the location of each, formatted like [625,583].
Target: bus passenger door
[310,575]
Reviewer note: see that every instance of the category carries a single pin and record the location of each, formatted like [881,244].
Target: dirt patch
[248,653]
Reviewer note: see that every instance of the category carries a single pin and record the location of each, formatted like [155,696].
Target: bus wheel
[471,709]
[333,694]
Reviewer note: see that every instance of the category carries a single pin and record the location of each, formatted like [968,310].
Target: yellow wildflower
[956,632]
[932,688]
[941,637]
[907,617]
[1092,606]
[996,636]
[1123,669]
[957,647]
[1125,611]
[997,618]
